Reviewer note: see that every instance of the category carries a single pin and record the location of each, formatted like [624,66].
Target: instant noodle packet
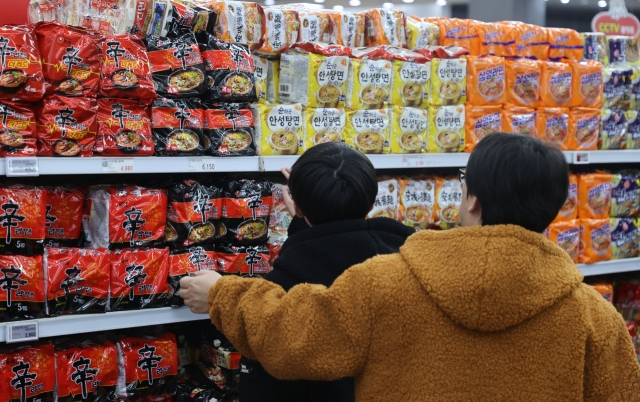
[459,32]
[314,75]
[385,27]
[23,220]
[481,121]
[178,127]
[556,82]
[279,129]
[613,129]
[448,201]
[553,127]
[229,129]
[622,49]
[64,209]
[587,84]
[625,194]
[486,81]
[495,39]
[411,78]
[532,41]
[446,129]
[569,210]
[595,240]
[184,262]
[595,47]
[23,295]
[618,87]
[369,83]
[605,289]
[564,43]
[280,29]
[635,89]
[280,218]
[246,209]
[243,260]
[21,76]
[352,26]
[185,17]
[77,280]
[28,373]
[594,195]
[417,202]
[387,201]
[633,129]
[584,128]
[523,82]
[624,238]
[369,130]
[421,34]
[17,130]
[520,120]
[448,82]
[628,300]
[318,26]
[238,22]
[124,128]
[409,130]
[324,125]
[566,234]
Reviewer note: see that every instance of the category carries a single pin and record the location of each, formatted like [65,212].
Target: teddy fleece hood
[489,278]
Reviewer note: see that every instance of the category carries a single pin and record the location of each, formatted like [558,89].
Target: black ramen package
[27,374]
[243,260]
[193,214]
[229,129]
[77,280]
[177,66]
[246,208]
[17,129]
[124,128]
[150,367]
[178,127]
[21,75]
[185,262]
[22,218]
[66,126]
[218,360]
[193,391]
[70,59]
[22,294]
[184,18]
[230,70]
[86,371]
[63,217]
[125,69]
[139,279]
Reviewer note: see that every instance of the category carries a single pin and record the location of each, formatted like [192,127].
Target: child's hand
[195,290]
[286,195]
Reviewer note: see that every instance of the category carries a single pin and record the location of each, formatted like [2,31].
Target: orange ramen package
[238,22]
[523,82]
[459,32]
[139,279]
[22,288]
[243,260]
[17,130]
[496,39]
[481,121]
[532,41]
[520,120]
[417,202]
[386,202]
[77,280]
[385,27]
[553,127]
[185,262]
[319,26]
[448,200]
[124,128]
[28,374]
[280,30]
[22,214]
[564,43]
[587,84]
[594,196]
[486,81]
[566,235]
[63,217]
[557,82]
[595,240]
[21,75]
[584,126]
[605,289]
[569,210]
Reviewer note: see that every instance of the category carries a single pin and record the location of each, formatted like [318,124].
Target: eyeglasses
[462,174]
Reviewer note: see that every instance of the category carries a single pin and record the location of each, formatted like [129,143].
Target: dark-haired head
[332,182]
[514,179]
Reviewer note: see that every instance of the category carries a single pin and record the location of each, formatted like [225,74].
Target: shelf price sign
[22,167]
[200,165]
[122,165]
[22,331]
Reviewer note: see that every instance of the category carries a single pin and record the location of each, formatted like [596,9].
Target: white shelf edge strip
[610,267]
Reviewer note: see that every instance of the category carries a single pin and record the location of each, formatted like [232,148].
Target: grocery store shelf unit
[82,323]
[610,267]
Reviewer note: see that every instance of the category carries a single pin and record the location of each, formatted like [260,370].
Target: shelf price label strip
[23,331]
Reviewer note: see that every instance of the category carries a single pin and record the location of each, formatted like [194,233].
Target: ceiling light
[354,3]
[407,1]
[387,5]
[564,1]
[338,8]
[319,1]
[269,2]
[441,3]
[602,3]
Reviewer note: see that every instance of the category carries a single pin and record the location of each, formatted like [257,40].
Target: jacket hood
[489,278]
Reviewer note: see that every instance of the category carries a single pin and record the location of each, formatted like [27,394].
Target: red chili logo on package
[28,374]
[87,372]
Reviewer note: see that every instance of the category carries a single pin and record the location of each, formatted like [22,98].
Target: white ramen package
[386,203]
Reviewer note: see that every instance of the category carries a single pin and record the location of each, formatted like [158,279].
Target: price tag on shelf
[414,161]
[581,158]
[200,165]
[124,165]
[21,167]
[22,331]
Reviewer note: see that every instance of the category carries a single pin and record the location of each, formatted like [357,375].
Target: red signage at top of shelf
[616,21]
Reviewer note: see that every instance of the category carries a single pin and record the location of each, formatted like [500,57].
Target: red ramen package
[229,129]
[17,130]
[150,367]
[63,217]
[77,280]
[246,208]
[22,214]
[624,238]
[229,68]
[566,235]
[627,299]
[124,128]
[184,262]
[22,293]
[177,66]
[569,210]
[594,195]
[28,374]
[386,202]
[139,279]
[71,59]
[417,202]
[193,215]
[125,69]
[243,260]
[448,200]
[21,75]
[66,126]
[625,195]
[178,127]
[595,240]
[86,371]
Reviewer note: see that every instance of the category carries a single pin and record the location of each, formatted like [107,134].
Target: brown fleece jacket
[493,313]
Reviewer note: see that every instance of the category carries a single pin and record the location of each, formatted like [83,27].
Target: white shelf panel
[610,267]
[626,156]
[81,323]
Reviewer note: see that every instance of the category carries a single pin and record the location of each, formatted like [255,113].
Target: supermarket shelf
[610,267]
[627,156]
[75,324]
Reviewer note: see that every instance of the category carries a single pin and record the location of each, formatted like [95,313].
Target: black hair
[518,180]
[332,182]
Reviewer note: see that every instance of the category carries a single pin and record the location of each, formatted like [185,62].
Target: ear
[474,205]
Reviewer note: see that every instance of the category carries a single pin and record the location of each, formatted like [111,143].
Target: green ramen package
[279,129]
[386,202]
[184,262]
[178,127]
[229,129]
[448,82]
[177,66]
[17,130]
[446,129]
[28,374]
[369,130]
[22,288]
[21,75]
[408,130]
[124,128]
[369,83]
[613,129]
[22,215]
[625,195]
[246,209]
[624,238]
[324,125]
[243,260]
[314,75]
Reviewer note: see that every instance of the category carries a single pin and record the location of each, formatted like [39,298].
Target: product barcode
[284,88]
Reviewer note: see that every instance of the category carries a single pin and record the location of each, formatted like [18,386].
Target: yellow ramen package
[278,129]
[386,203]
[446,129]
[369,84]
[324,125]
[417,202]
[368,130]
[411,83]
[421,34]
[409,130]
[266,75]
[448,81]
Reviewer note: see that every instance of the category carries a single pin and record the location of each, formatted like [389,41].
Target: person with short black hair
[491,311]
